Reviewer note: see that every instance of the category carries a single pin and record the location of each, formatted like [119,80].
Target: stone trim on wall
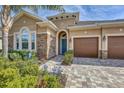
[42,46]
[51,52]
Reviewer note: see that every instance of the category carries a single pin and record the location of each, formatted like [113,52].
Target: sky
[91,12]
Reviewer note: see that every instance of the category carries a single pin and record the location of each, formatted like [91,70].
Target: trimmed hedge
[24,55]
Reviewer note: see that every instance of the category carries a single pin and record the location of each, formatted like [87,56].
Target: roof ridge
[30,14]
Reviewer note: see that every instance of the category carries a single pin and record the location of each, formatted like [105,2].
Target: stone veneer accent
[52,46]
[99,54]
[46,46]
[104,54]
[42,46]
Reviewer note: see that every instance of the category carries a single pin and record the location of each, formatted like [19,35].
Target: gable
[63,20]
[24,21]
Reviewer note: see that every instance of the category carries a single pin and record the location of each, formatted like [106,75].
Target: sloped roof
[96,24]
[28,14]
[83,23]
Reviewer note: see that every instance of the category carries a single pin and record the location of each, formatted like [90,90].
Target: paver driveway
[92,73]
[84,76]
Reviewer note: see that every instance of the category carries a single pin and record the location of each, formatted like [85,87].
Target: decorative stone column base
[99,54]
[104,54]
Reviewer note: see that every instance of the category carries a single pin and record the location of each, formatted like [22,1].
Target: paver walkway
[92,73]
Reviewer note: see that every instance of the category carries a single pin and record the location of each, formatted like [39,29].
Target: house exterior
[64,31]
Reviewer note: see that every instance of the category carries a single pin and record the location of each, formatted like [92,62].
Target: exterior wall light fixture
[85,32]
[104,38]
[70,40]
[121,29]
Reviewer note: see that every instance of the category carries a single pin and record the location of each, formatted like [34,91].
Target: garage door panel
[116,47]
[86,47]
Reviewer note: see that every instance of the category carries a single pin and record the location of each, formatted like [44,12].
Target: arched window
[25,39]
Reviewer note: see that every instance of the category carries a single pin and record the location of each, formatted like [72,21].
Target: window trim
[20,39]
[21,36]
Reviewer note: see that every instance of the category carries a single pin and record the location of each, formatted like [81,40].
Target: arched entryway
[62,42]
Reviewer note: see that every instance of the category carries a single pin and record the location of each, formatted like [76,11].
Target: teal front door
[64,46]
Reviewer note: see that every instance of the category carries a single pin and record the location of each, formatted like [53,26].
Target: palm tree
[7,19]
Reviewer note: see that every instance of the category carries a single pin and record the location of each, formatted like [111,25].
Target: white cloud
[91,12]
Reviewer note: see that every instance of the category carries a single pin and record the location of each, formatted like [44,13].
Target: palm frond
[18,8]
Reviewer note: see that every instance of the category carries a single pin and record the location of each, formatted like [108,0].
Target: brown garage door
[86,47]
[116,47]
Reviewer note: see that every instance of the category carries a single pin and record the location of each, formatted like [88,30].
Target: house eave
[111,24]
[16,17]
[48,24]
[97,26]
[86,27]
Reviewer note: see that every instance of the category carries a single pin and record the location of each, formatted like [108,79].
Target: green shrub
[68,57]
[49,80]
[18,74]
[29,69]
[24,55]
[16,83]
[0,52]
[14,56]
[3,63]
[28,81]
[7,76]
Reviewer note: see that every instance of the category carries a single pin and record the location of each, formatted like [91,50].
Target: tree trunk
[5,21]
[5,42]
